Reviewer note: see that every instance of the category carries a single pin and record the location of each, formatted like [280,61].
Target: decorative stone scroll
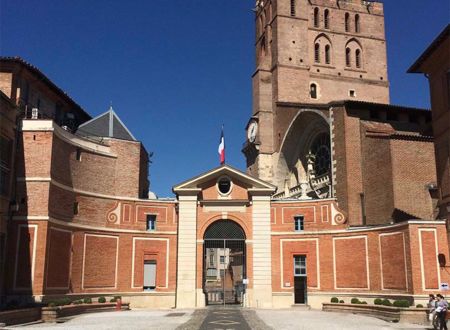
[337,216]
[114,214]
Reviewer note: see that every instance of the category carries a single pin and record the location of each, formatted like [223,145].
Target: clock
[251,131]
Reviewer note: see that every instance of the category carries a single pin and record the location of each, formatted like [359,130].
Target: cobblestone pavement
[224,319]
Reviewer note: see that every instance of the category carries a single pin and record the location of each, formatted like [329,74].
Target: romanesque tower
[310,53]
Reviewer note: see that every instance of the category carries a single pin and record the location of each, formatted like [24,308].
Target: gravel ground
[257,319]
[313,320]
[134,319]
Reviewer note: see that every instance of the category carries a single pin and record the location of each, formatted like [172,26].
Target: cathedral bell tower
[310,53]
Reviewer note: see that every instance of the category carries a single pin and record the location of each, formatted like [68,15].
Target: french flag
[221,149]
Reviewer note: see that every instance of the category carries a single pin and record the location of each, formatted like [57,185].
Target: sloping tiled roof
[415,68]
[42,77]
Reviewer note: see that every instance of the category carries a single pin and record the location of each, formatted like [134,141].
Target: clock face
[252,130]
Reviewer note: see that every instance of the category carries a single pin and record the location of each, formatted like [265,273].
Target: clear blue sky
[176,70]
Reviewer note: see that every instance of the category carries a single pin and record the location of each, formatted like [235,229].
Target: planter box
[19,316]
[387,313]
[50,314]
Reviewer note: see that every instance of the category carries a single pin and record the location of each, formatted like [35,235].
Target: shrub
[419,306]
[378,301]
[87,300]
[117,297]
[51,304]
[354,301]
[101,300]
[77,302]
[113,300]
[334,300]
[386,302]
[401,303]
[341,302]
[363,302]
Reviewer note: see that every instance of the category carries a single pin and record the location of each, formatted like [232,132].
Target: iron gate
[224,263]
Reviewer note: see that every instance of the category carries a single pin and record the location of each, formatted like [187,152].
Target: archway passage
[224,266]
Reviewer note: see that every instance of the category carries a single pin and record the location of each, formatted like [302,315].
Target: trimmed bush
[341,302]
[419,306]
[51,304]
[386,302]
[354,301]
[87,300]
[117,297]
[101,300]
[334,300]
[378,301]
[401,303]
[113,300]
[77,302]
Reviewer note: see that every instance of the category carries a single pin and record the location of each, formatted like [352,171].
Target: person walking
[441,311]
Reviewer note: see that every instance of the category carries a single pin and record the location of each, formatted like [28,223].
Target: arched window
[270,12]
[316,17]
[327,54]
[357,27]
[347,57]
[313,91]
[317,53]
[358,58]
[347,22]
[292,7]
[326,18]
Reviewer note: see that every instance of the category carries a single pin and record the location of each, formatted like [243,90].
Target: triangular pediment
[252,184]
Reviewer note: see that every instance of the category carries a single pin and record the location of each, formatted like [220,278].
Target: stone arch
[212,220]
[353,49]
[293,163]
[324,41]
[224,229]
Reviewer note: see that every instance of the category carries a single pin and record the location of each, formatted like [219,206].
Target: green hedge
[386,302]
[87,300]
[334,300]
[419,306]
[341,302]
[355,301]
[401,303]
[378,301]
[101,300]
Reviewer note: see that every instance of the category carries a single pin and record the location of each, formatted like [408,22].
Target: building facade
[434,63]
[335,201]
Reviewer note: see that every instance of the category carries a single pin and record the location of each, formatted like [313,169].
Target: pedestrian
[441,311]
[432,304]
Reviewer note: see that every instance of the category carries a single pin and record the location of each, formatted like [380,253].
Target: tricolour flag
[221,149]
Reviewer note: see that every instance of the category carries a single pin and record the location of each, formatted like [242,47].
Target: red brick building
[335,201]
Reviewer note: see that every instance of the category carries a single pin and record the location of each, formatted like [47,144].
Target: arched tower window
[316,17]
[292,7]
[327,54]
[347,57]
[347,22]
[358,58]
[263,46]
[317,53]
[326,18]
[313,91]
[270,12]
[357,27]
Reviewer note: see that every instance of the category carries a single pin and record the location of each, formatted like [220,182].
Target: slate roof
[107,124]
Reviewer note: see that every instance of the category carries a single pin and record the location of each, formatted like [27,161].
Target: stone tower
[311,53]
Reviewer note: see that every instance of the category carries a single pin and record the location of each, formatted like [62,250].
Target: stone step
[301,307]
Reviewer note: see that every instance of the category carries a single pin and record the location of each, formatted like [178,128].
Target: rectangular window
[151,222]
[211,259]
[292,7]
[222,259]
[75,208]
[78,156]
[149,274]
[299,222]
[300,266]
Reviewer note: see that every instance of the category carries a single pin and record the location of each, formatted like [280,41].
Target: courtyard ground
[223,318]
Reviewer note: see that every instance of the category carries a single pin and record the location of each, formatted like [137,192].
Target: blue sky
[176,70]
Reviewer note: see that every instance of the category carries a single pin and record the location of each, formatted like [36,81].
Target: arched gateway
[224,263]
